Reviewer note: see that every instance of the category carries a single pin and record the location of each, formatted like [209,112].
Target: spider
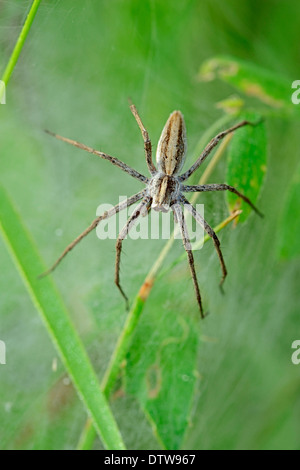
[164,190]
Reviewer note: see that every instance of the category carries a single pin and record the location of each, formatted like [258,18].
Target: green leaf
[265,85]
[246,166]
[52,310]
[289,226]
[160,372]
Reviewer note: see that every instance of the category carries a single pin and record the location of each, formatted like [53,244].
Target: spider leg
[122,205]
[220,187]
[113,160]
[198,217]
[140,210]
[178,213]
[147,141]
[210,147]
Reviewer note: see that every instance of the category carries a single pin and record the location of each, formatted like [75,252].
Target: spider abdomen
[171,149]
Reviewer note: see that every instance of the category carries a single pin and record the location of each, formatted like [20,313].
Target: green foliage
[48,303]
[254,81]
[80,63]
[289,226]
[247,163]
[164,380]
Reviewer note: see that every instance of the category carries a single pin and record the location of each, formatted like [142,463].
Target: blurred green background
[81,62]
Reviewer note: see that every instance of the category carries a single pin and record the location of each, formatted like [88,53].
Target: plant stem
[19,45]
[57,322]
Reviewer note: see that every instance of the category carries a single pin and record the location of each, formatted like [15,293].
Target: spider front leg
[140,210]
[113,160]
[146,138]
[220,187]
[198,217]
[179,217]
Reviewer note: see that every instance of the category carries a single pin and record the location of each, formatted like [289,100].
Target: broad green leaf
[160,372]
[289,227]
[263,84]
[246,165]
[59,326]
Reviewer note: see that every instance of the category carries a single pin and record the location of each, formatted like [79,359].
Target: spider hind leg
[178,213]
[140,210]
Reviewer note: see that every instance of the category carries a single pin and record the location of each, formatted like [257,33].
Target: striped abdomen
[171,149]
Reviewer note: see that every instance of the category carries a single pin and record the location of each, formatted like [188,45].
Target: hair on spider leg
[164,190]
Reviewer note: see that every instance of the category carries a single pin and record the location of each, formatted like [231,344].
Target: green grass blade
[52,310]
[19,44]
[88,434]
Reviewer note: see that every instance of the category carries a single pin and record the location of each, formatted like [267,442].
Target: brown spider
[164,189]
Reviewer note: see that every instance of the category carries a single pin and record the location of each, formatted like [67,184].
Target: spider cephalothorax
[164,189]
